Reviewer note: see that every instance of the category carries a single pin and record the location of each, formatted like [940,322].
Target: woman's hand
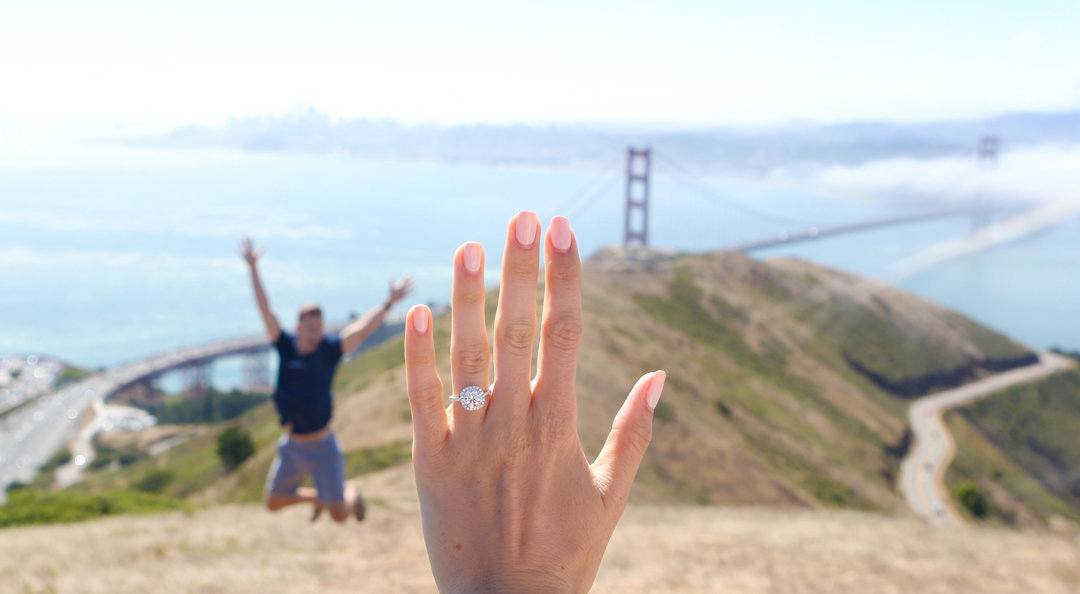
[509,501]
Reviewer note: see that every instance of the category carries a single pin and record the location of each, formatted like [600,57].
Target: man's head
[309,327]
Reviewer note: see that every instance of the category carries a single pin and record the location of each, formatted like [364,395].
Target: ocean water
[115,253]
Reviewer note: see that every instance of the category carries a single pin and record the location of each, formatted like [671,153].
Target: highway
[922,472]
[30,434]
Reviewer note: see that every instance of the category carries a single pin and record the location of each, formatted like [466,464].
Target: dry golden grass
[655,549]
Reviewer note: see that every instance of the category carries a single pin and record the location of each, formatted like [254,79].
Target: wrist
[539,582]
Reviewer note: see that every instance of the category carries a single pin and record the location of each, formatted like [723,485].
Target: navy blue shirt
[302,395]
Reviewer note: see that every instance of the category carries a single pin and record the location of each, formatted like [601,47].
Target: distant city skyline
[688,63]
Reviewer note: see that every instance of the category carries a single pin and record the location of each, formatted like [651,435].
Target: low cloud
[1023,177]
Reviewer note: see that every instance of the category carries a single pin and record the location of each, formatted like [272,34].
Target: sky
[139,66]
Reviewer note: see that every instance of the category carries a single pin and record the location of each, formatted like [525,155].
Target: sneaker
[359,509]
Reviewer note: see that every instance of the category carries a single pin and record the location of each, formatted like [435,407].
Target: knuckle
[563,332]
[635,438]
[467,298]
[564,277]
[472,359]
[517,336]
[424,393]
[523,269]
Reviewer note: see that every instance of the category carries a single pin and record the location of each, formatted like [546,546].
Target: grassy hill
[787,385]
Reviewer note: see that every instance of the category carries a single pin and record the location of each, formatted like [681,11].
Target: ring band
[472,397]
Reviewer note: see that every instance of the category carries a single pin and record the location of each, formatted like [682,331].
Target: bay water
[119,253]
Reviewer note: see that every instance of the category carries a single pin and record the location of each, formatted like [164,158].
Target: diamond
[473,398]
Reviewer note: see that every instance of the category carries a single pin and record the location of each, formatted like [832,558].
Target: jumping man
[308,360]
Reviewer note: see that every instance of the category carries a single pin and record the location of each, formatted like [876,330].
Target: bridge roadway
[30,435]
[814,233]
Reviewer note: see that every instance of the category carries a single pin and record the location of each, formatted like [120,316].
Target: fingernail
[421,318]
[525,230]
[655,387]
[560,234]
[473,252]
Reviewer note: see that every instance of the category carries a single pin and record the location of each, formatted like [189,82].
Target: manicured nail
[421,318]
[560,234]
[473,253]
[655,387]
[525,230]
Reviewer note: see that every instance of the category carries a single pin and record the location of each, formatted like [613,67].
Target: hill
[787,385]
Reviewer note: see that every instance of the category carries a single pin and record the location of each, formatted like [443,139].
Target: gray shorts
[321,459]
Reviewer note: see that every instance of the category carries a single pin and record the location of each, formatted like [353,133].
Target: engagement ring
[472,397]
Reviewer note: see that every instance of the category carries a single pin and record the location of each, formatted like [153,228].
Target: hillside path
[922,473]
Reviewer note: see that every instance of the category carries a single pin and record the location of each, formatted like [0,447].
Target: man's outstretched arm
[355,333]
[251,256]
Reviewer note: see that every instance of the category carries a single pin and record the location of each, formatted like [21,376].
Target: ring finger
[469,351]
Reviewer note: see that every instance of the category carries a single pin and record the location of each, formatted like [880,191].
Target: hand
[400,289]
[248,251]
[508,500]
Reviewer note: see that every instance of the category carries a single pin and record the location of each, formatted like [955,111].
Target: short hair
[309,309]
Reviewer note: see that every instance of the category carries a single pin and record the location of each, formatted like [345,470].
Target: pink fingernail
[655,387]
[420,319]
[560,234]
[473,253]
[525,230]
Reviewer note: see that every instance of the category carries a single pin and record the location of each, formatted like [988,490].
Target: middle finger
[515,319]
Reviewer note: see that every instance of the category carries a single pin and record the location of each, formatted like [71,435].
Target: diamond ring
[472,397]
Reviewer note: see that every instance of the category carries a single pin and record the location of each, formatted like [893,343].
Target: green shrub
[26,506]
[722,408]
[58,459]
[234,446]
[972,498]
[665,411]
[154,481]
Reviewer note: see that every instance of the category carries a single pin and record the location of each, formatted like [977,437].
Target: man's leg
[275,502]
[283,481]
[334,495]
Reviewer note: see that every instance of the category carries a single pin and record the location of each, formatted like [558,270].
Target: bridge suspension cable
[696,183]
[591,190]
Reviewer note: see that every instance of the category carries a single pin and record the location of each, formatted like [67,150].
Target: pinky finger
[422,379]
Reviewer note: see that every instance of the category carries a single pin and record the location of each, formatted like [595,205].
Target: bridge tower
[256,373]
[987,158]
[637,198]
[989,146]
[197,379]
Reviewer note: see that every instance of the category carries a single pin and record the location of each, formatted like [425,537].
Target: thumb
[631,432]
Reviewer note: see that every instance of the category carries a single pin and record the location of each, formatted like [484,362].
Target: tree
[234,445]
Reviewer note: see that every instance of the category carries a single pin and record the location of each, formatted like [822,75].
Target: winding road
[922,472]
